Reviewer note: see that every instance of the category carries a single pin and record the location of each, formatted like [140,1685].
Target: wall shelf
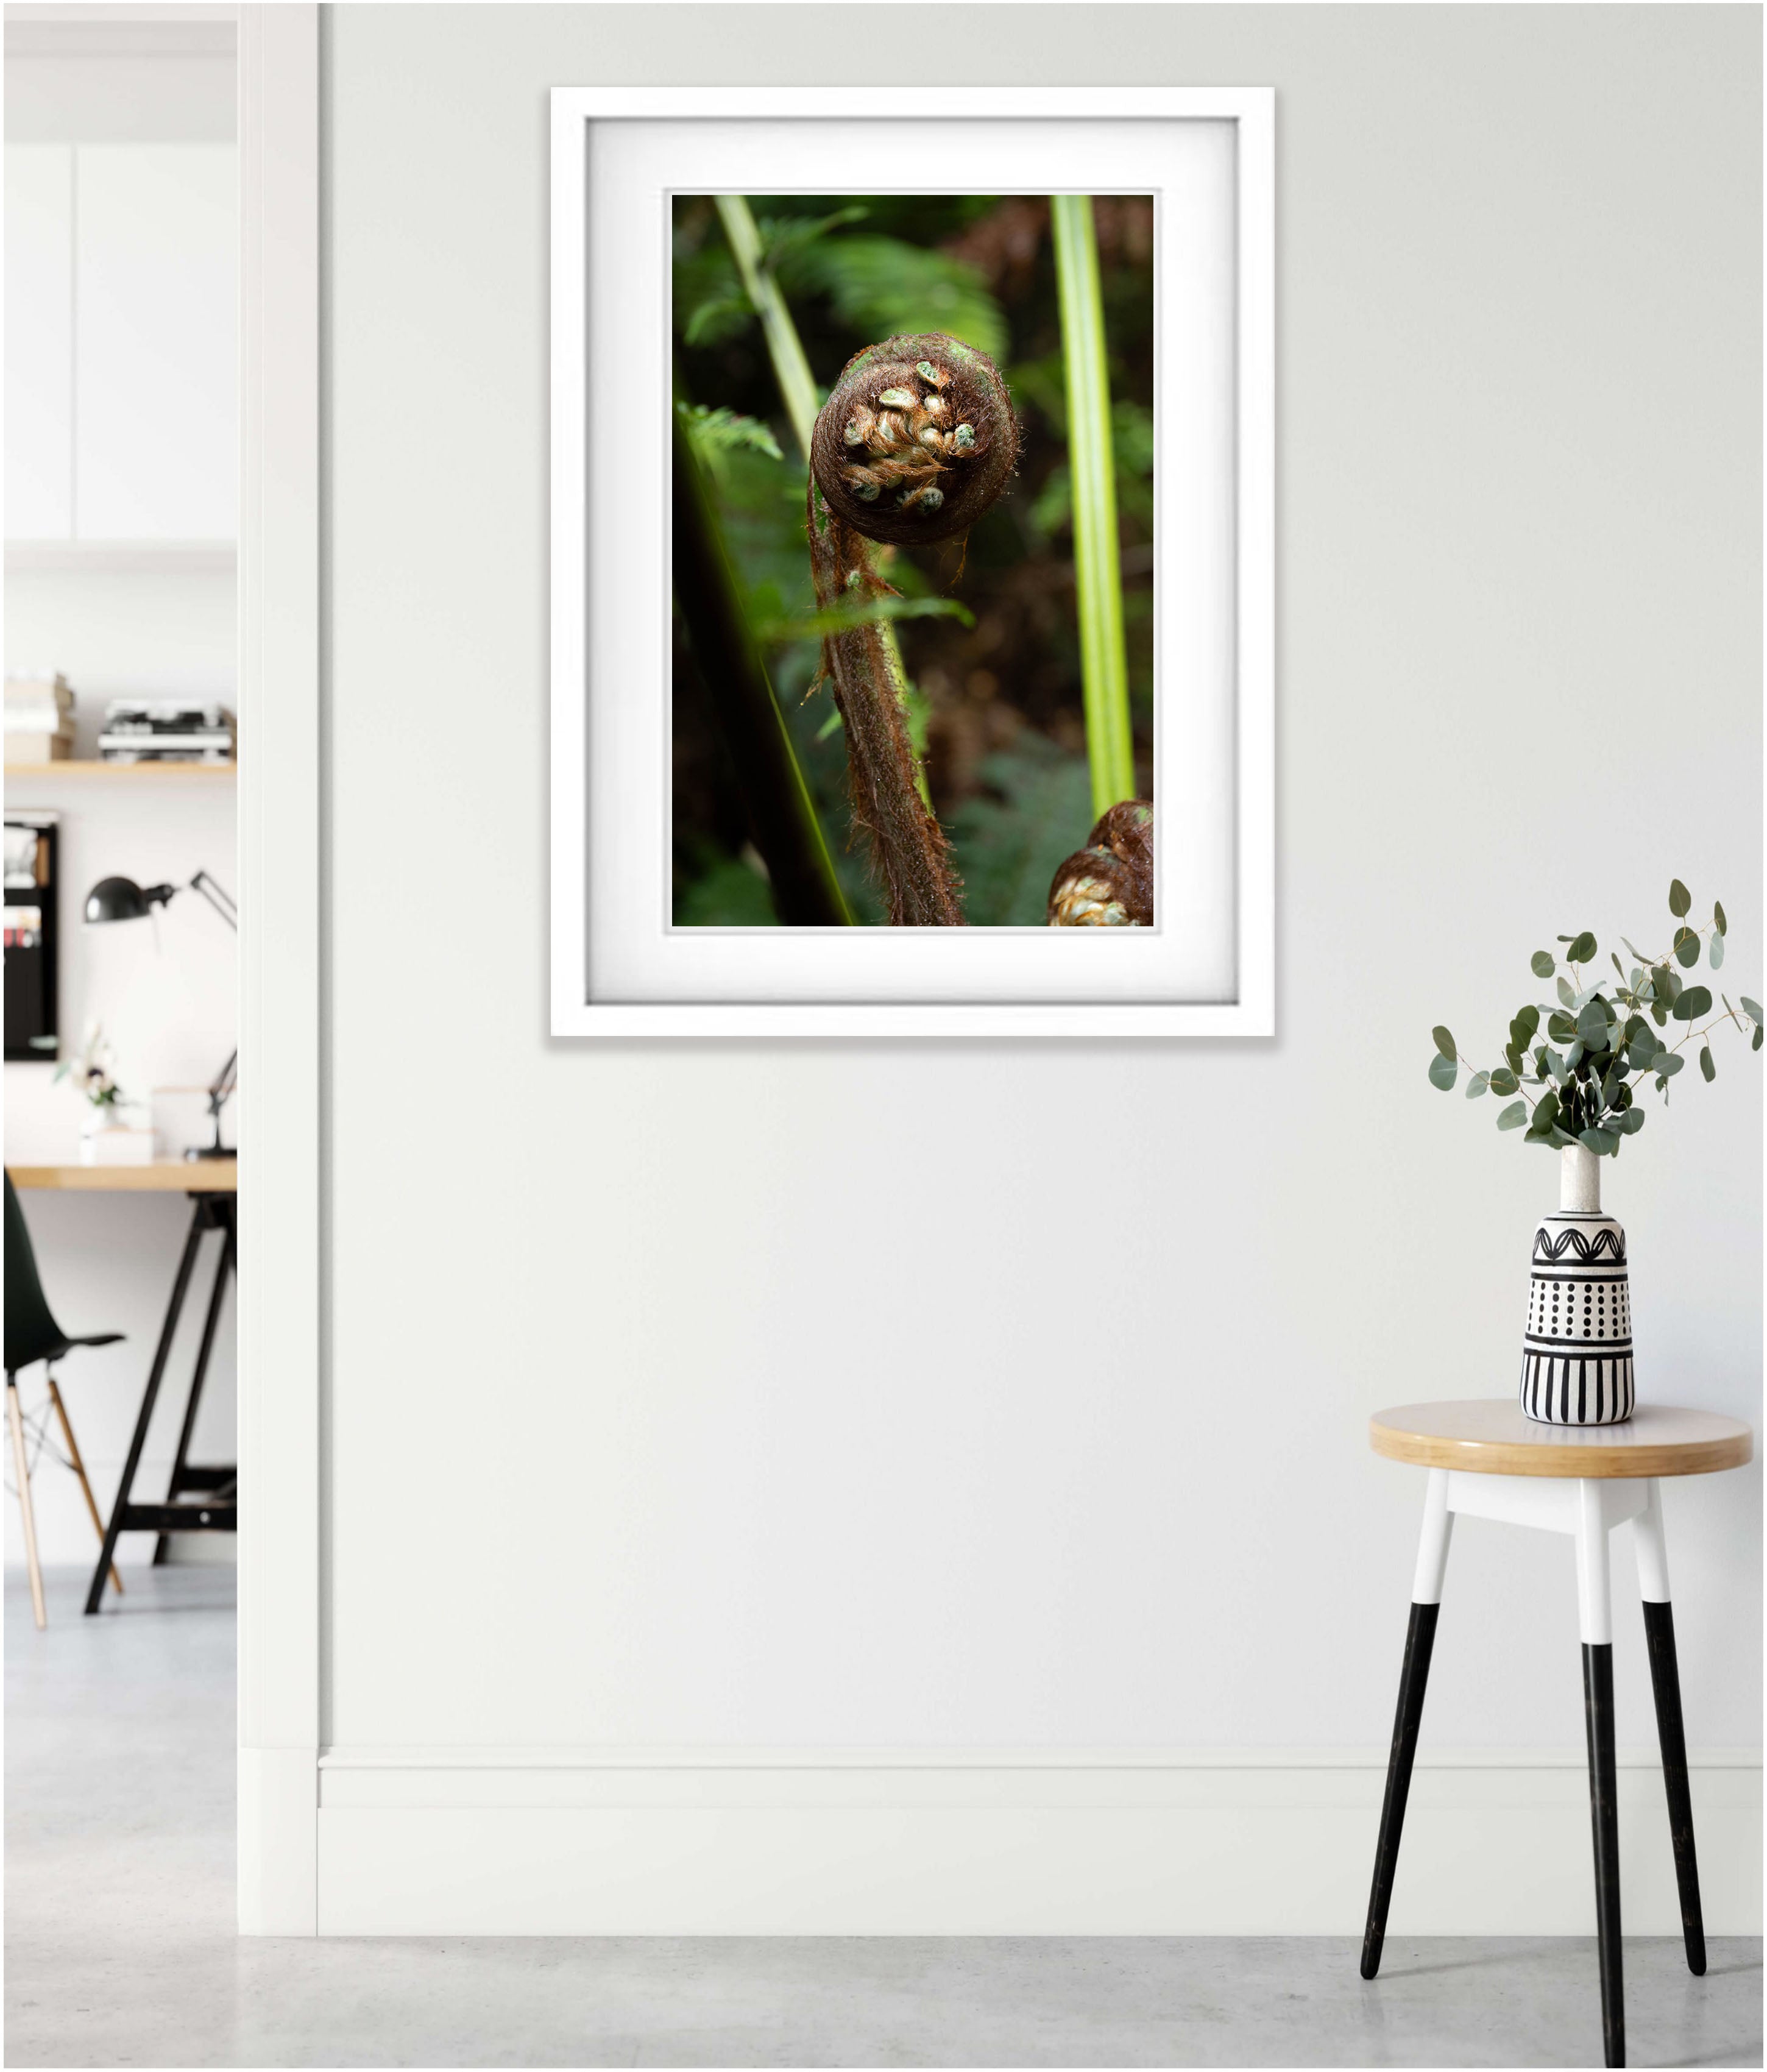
[80,770]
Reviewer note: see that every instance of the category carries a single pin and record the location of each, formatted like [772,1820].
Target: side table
[1487,1460]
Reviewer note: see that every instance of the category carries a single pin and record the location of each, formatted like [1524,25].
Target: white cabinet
[129,412]
[40,341]
[155,386]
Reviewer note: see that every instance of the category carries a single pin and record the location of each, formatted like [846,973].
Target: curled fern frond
[1109,884]
[917,440]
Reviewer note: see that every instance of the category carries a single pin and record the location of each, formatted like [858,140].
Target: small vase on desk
[113,1134]
[1576,1353]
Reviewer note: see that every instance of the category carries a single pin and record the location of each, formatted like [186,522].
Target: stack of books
[166,730]
[39,719]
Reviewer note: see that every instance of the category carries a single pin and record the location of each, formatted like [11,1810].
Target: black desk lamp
[122,899]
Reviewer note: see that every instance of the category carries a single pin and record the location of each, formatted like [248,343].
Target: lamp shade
[117,899]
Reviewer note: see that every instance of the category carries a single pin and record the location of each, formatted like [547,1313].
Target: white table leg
[1595,1600]
[1433,1541]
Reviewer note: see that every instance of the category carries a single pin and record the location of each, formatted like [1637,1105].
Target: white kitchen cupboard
[156,230]
[146,438]
[40,341]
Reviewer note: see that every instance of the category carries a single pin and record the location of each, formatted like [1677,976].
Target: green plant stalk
[806,892]
[798,389]
[785,348]
[1110,740]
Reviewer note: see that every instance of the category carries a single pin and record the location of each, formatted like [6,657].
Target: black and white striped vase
[1577,1355]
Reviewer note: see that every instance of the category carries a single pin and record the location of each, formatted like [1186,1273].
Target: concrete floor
[121,1948]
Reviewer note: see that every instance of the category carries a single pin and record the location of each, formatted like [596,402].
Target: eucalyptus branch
[1590,1091]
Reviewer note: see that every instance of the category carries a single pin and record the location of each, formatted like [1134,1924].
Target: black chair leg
[1420,1639]
[1604,1821]
[1659,1633]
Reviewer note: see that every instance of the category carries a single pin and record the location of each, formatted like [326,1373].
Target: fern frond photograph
[913,495]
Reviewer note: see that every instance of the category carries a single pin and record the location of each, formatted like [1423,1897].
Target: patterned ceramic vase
[1576,1354]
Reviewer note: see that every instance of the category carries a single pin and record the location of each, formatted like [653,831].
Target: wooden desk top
[165,1176]
[1497,1438]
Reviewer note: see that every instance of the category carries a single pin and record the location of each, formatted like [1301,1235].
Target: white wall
[903,1397]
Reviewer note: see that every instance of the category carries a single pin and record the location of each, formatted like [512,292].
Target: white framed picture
[912,562]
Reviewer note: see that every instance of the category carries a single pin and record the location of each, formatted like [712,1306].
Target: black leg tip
[1370,1964]
[1696,1963]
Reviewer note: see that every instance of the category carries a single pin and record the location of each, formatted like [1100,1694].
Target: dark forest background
[995,699]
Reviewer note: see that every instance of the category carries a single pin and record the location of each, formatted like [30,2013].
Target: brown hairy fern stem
[917,439]
[910,850]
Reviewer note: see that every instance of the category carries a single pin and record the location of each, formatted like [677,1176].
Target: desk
[211,1186]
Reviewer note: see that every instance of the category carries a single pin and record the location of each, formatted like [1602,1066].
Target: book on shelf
[39,747]
[38,704]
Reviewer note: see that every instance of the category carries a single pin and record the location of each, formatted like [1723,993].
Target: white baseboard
[277,1874]
[443,1842]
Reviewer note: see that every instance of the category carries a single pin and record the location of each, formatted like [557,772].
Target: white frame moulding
[280,1008]
[1250,1010]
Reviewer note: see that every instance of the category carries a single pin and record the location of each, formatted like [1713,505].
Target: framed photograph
[912,562]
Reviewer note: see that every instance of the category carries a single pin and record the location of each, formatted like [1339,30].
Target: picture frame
[618,969]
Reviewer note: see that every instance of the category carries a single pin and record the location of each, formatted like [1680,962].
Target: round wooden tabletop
[1496,1438]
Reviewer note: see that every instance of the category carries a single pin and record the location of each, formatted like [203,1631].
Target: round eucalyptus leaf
[1707,1069]
[1503,1082]
[1751,1007]
[1561,1028]
[1687,949]
[1715,949]
[1567,993]
[1667,1063]
[1542,963]
[1513,1116]
[1599,1142]
[1443,1071]
[1478,1083]
[1631,1122]
[1755,1044]
[1583,950]
[1444,1043]
[1696,999]
[1592,1025]
[1680,898]
[1718,920]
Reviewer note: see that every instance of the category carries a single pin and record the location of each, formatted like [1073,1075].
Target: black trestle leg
[1659,1633]
[1604,1821]
[1420,1639]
